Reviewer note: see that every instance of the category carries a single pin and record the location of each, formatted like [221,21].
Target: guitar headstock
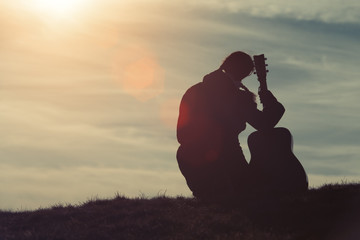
[260,67]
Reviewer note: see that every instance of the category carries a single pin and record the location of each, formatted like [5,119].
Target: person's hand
[266,97]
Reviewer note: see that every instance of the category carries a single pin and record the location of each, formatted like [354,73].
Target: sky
[90,89]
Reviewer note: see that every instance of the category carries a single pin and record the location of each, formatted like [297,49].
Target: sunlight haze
[59,7]
[89,90]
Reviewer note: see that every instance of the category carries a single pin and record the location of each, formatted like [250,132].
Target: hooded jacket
[214,112]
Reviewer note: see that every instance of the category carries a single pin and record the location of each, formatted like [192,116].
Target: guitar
[273,165]
[261,71]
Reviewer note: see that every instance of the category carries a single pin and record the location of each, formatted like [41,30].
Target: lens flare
[138,72]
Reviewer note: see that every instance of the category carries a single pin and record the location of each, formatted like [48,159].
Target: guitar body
[273,165]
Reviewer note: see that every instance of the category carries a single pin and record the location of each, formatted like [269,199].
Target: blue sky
[77,122]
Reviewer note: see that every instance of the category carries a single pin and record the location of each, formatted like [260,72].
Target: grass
[331,212]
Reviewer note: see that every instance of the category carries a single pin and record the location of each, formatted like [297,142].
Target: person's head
[238,64]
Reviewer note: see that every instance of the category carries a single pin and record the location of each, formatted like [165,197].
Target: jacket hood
[214,76]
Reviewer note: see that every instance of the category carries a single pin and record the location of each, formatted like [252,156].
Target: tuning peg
[267,70]
[265,58]
[266,65]
[254,72]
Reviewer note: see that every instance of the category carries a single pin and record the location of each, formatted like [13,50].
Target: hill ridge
[330,212]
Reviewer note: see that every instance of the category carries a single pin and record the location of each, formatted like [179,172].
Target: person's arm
[269,116]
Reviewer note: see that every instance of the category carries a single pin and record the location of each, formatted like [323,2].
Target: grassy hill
[331,212]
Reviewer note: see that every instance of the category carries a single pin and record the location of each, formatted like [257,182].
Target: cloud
[333,11]
[17,23]
[83,134]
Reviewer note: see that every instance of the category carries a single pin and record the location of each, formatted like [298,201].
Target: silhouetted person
[212,114]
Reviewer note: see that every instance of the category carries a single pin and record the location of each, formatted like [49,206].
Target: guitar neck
[260,68]
[263,85]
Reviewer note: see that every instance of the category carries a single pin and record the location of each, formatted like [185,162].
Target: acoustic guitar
[273,165]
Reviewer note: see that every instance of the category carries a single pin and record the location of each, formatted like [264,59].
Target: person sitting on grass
[212,114]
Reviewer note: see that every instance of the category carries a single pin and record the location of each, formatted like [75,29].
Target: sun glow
[137,70]
[59,8]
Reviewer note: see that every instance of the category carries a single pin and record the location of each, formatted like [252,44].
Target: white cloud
[329,11]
